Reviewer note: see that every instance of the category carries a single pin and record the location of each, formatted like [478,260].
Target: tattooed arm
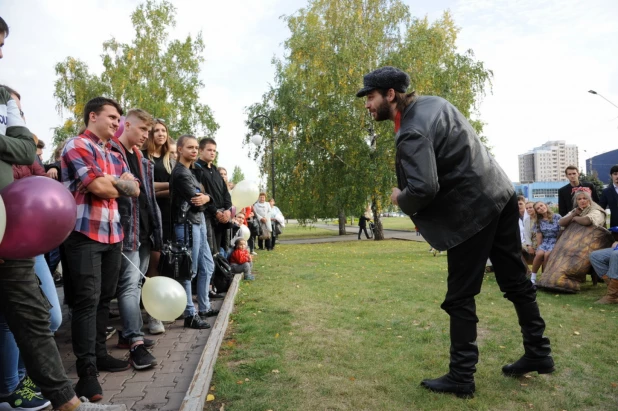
[126,187]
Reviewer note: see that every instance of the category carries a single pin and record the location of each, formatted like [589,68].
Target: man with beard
[461,201]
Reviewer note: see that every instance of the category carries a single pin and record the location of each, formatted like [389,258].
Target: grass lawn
[357,326]
[296,231]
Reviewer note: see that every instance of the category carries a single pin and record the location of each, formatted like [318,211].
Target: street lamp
[257,140]
[594,92]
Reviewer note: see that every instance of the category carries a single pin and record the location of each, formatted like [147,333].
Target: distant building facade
[547,162]
[545,191]
[601,164]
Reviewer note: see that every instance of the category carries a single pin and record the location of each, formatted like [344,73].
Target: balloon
[40,215]
[245,232]
[233,211]
[245,193]
[2,219]
[120,130]
[164,298]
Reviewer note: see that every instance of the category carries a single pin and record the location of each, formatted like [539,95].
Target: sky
[545,55]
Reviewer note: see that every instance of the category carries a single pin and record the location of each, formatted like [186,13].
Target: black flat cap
[385,78]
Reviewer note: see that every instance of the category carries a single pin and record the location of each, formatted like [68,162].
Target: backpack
[223,276]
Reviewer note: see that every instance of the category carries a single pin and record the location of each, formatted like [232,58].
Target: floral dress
[549,230]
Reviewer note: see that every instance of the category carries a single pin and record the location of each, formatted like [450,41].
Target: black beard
[383,112]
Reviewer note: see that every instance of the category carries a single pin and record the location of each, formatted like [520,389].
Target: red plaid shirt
[84,159]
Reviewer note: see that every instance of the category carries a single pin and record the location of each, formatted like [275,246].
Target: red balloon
[120,130]
[40,215]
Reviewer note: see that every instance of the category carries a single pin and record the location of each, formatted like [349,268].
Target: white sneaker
[88,406]
[155,326]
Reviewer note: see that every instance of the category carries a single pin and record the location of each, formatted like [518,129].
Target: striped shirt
[85,158]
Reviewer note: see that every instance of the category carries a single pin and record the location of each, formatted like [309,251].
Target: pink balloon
[120,127]
[233,211]
[40,215]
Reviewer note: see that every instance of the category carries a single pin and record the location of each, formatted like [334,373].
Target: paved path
[351,236]
[161,387]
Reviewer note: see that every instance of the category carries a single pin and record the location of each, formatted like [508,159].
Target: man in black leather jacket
[461,201]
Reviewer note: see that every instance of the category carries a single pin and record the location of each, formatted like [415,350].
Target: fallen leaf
[615,384]
[275,371]
[277,335]
[575,332]
[502,346]
[239,382]
[400,336]
[246,379]
[212,388]
[210,397]
[524,385]
[352,379]
[560,325]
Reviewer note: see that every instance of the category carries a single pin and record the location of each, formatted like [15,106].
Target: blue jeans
[203,266]
[129,291]
[605,262]
[12,367]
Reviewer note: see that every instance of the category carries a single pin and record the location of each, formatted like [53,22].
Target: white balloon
[2,219]
[245,232]
[164,298]
[245,194]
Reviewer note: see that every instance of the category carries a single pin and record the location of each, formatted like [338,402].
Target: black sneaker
[196,323]
[88,385]
[140,358]
[209,313]
[215,296]
[124,344]
[109,332]
[28,383]
[111,364]
[23,399]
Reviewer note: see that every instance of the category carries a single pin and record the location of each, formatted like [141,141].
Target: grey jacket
[451,186]
[128,207]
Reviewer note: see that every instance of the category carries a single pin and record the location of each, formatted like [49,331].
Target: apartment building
[547,162]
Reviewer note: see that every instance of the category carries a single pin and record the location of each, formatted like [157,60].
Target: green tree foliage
[152,72]
[237,175]
[325,164]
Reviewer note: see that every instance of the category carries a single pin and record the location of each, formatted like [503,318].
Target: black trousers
[360,230]
[26,310]
[94,269]
[501,242]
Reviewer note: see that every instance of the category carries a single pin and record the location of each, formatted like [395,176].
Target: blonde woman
[547,230]
[585,212]
[158,149]
[529,236]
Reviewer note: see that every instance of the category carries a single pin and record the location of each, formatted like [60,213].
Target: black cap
[385,78]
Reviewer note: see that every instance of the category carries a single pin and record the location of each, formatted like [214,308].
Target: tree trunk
[378,233]
[342,221]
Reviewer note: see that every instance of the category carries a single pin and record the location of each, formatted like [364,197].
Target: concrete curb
[195,398]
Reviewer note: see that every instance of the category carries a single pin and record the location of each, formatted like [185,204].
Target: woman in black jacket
[187,203]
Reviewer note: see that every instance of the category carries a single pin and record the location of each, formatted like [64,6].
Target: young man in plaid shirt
[97,175]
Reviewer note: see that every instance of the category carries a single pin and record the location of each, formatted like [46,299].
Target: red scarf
[397,121]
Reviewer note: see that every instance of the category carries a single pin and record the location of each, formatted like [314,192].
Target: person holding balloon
[97,175]
[141,223]
[187,203]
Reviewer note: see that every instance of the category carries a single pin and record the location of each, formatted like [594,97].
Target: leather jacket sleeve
[418,174]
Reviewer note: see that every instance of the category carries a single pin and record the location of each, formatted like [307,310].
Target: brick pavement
[161,387]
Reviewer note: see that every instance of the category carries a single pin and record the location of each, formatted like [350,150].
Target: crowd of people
[135,189]
[578,203]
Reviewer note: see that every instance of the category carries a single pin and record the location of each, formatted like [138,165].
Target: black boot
[536,347]
[464,356]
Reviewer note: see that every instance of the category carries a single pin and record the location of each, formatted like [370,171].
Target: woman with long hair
[585,211]
[158,150]
[547,230]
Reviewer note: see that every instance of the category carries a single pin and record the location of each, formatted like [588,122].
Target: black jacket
[215,186]
[184,184]
[451,186]
[565,197]
[609,199]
